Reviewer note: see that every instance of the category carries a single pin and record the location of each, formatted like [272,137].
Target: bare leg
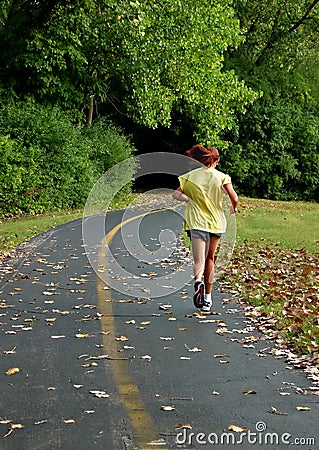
[199,253]
[210,263]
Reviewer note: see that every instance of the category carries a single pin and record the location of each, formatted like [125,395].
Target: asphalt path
[94,363]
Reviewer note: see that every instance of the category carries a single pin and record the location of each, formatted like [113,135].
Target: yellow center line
[142,424]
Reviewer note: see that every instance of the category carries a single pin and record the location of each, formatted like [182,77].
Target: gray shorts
[204,235]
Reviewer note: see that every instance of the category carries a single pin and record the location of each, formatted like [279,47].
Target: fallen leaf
[249,391]
[147,322]
[8,433]
[167,408]
[275,411]
[82,335]
[12,370]
[194,349]
[146,357]
[40,422]
[165,307]
[303,408]
[237,429]
[99,394]
[221,330]
[121,338]
[69,421]
[10,352]
[16,426]
[180,426]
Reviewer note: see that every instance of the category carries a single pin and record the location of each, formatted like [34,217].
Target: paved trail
[104,369]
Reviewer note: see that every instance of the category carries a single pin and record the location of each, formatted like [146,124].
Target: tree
[145,58]
[275,149]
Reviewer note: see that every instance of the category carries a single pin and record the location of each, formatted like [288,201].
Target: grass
[275,265]
[19,229]
[16,230]
[293,225]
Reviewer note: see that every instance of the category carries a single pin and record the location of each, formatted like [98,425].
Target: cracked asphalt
[87,366]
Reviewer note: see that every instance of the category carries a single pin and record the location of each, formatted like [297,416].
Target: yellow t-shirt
[204,211]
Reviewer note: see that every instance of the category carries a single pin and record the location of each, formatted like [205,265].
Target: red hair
[205,155]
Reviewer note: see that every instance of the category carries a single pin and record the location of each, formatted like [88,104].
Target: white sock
[208,298]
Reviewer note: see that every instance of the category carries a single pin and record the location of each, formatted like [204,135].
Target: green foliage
[47,163]
[276,154]
[195,67]
[155,57]
[275,151]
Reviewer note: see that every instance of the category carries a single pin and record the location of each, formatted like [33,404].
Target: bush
[275,154]
[48,163]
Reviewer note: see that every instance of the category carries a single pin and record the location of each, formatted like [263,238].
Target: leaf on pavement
[165,307]
[82,335]
[249,391]
[167,408]
[121,338]
[12,370]
[10,352]
[99,394]
[194,349]
[237,429]
[69,421]
[16,426]
[146,357]
[303,408]
[181,426]
[5,421]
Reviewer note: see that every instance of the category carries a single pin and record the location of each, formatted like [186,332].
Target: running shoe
[207,306]
[198,298]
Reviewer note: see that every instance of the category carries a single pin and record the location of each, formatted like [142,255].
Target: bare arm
[233,197]
[180,196]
